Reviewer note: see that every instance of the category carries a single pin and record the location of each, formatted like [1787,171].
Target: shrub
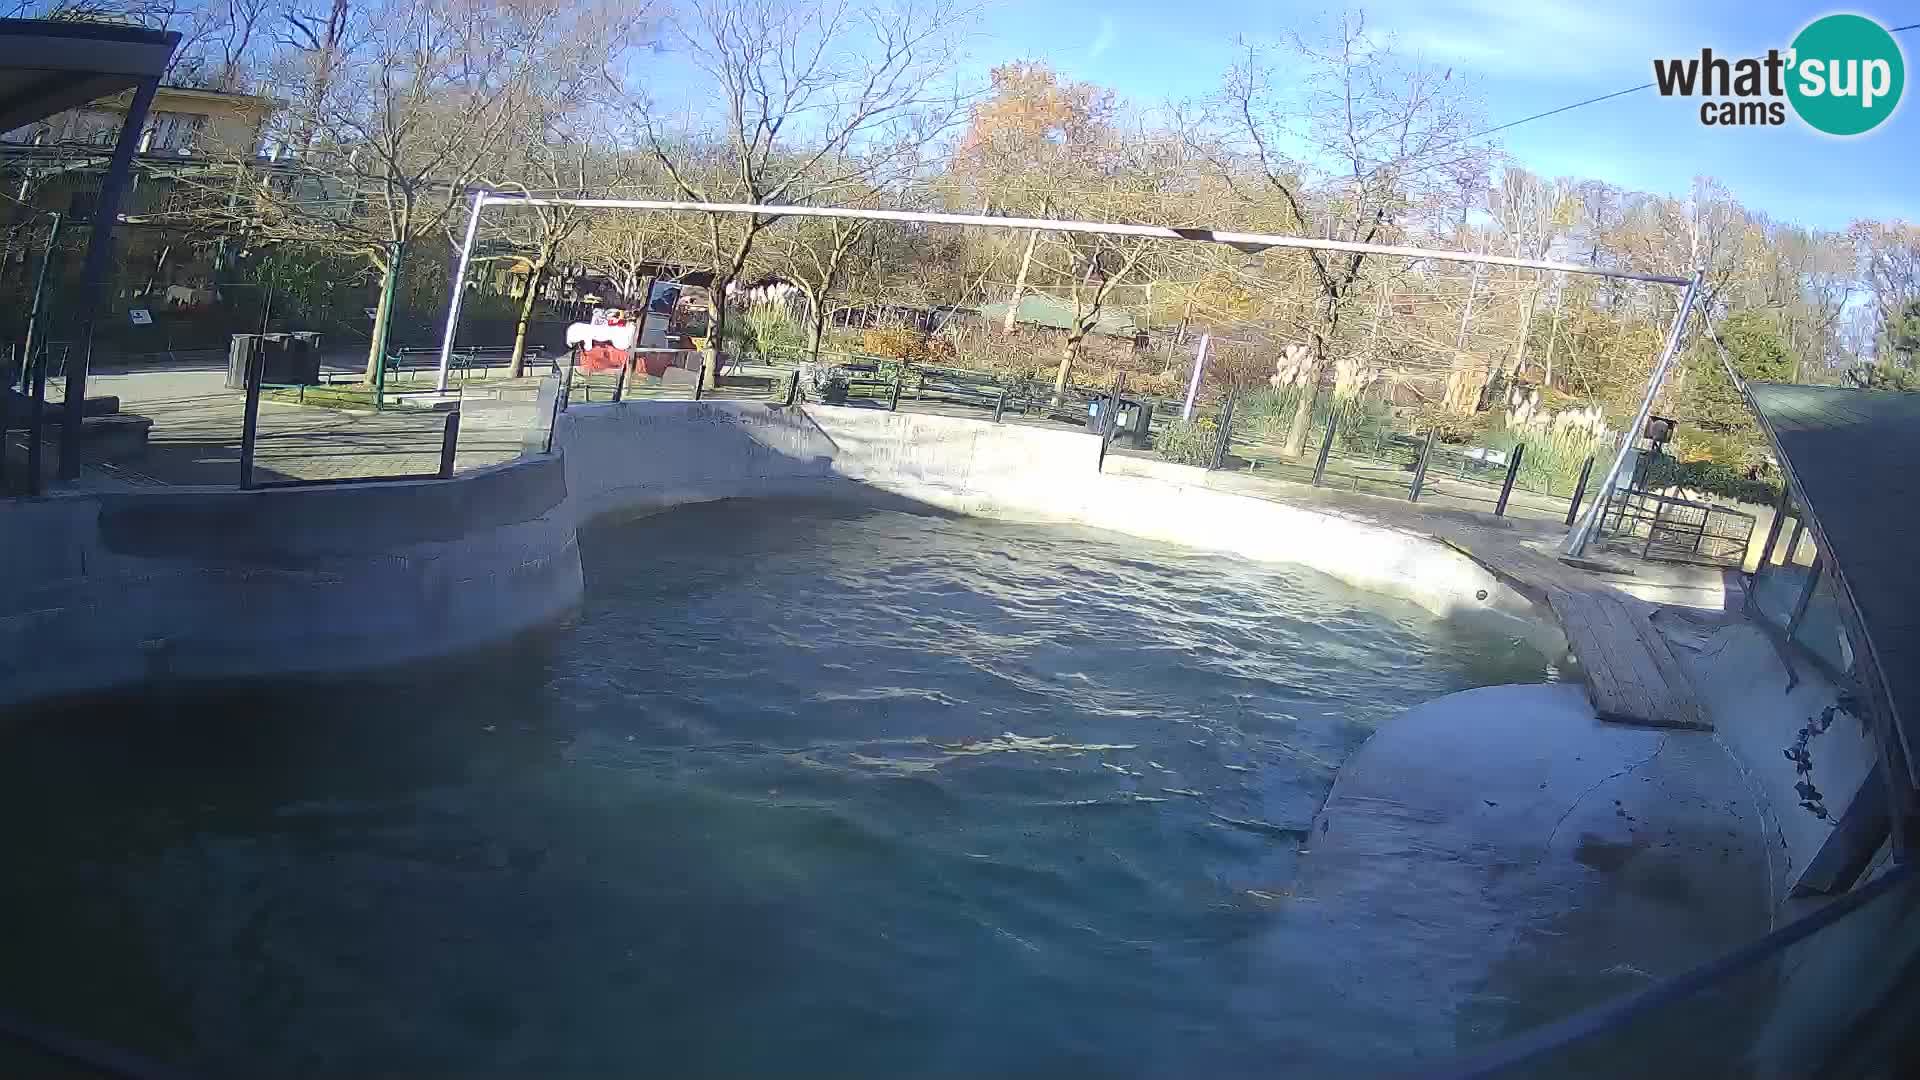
[1451,427]
[824,382]
[1188,442]
[897,342]
[1714,477]
[1266,414]
[766,330]
[1554,460]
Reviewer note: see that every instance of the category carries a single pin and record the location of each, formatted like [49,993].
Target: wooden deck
[1631,673]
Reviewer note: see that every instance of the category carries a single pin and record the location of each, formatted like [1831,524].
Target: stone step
[117,437]
[17,405]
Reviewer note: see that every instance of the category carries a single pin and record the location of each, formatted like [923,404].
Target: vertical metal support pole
[1793,542]
[1000,407]
[1513,472]
[1420,469]
[386,327]
[566,389]
[1326,447]
[93,275]
[250,419]
[36,423]
[793,387]
[1653,528]
[459,287]
[6,402]
[1226,435]
[698,381]
[449,443]
[1193,384]
[1779,519]
[1579,491]
[1806,593]
[30,339]
[893,403]
[1576,544]
[620,380]
[553,416]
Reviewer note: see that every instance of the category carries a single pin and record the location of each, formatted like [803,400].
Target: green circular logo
[1847,74]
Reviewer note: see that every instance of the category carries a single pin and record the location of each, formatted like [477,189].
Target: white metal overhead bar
[1245,241]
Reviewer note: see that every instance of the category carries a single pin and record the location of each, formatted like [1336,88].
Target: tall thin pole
[386,326]
[459,287]
[1193,384]
[1576,543]
[95,271]
[31,340]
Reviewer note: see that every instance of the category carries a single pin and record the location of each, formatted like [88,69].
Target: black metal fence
[1365,446]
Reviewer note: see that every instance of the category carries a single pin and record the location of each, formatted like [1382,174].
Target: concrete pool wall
[99,591]
[106,590]
[642,456]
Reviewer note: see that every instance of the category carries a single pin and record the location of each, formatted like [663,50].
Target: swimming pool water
[804,790]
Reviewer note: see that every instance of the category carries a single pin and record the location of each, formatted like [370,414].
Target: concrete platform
[1500,858]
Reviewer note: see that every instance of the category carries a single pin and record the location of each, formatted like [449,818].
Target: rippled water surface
[806,791]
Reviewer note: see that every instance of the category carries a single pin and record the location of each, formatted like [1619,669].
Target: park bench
[967,388]
[866,381]
[411,360]
[482,357]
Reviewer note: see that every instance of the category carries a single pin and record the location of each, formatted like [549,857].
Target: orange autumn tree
[1026,144]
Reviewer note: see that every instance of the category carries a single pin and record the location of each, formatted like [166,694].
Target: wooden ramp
[1631,673]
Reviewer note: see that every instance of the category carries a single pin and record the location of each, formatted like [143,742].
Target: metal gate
[1672,529]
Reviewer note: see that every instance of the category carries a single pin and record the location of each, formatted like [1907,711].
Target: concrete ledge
[1532,860]
[102,591]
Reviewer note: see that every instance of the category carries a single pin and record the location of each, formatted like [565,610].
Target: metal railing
[1360,448]
[1673,529]
[250,439]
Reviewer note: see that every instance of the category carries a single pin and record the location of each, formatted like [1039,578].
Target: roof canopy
[1849,455]
[48,67]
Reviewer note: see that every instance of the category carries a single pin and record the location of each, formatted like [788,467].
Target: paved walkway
[197,424]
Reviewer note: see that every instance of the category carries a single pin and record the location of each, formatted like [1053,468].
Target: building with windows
[55,165]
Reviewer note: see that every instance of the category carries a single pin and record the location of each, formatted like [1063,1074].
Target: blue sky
[1528,56]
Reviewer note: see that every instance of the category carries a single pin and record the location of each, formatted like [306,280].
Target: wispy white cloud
[1538,38]
[1103,40]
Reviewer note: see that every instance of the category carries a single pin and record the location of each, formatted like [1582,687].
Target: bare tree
[816,256]
[404,105]
[1890,260]
[629,247]
[552,151]
[1354,141]
[813,98]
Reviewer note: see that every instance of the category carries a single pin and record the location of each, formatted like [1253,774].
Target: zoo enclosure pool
[891,792]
